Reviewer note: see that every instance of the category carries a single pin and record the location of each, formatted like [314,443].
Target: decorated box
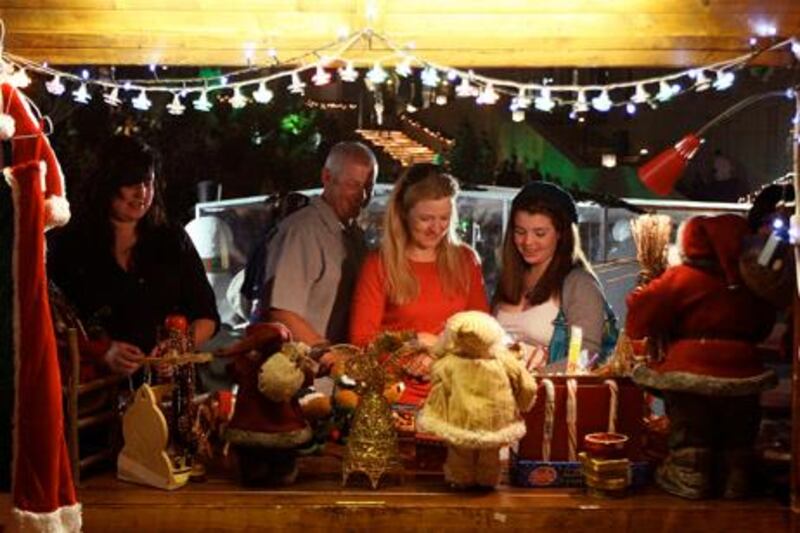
[563,474]
[569,407]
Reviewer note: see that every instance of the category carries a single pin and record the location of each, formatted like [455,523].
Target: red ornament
[335,434]
[176,323]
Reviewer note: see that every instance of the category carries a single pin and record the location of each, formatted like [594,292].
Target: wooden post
[795,469]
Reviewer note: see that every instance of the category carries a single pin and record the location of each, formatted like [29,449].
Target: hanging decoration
[250,84]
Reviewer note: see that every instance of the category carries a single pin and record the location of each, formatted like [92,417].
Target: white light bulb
[403,68]
[141,102]
[701,83]
[580,105]
[223,80]
[487,96]
[81,95]
[176,107]
[430,77]
[544,102]
[641,95]
[630,107]
[321,76]
[112,97]
[55,86]
[518,115]
[376,74]
[521,101]
[724,80]
[664,91]
[85,74]
[602,102]
[297,86]
[127,86]
[238,100]
[348,73]
[465,89]
[202,103]
[441,99]
[790,94]
[263,95]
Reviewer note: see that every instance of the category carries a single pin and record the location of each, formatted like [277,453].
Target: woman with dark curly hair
[124,266]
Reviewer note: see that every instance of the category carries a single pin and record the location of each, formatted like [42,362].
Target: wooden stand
[144,458]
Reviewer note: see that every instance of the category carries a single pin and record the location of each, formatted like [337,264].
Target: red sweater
[372,312]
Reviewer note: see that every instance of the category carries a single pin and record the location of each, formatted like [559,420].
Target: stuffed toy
[711,374]
[478,392]
[268,425]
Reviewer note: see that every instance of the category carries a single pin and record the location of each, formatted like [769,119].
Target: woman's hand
[534,356]
[123,358]
[164,371]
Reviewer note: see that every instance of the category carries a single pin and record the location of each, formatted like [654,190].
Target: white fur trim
[466,438]
[65,519]
[56,212]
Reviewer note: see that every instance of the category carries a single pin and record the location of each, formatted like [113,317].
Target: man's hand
[123,358]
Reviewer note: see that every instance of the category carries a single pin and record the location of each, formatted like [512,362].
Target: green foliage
[472,158]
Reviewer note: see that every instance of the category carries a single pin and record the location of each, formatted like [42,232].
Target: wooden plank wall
[459,32]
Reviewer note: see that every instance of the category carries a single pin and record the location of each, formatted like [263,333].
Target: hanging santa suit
[31,200]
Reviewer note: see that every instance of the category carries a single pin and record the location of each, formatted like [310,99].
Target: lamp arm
[735,108]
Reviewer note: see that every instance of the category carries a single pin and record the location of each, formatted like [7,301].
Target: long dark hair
[568,254]
[122,161]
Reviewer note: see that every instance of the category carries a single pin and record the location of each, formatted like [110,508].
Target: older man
[314,258]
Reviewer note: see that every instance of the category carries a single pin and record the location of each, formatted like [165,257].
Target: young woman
[124,267]
[546,284]
[422,273]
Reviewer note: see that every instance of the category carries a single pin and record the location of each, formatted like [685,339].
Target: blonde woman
[422,273]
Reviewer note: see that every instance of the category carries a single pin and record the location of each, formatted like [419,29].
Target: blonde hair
[422,181]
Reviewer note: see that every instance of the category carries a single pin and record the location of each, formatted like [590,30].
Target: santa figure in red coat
[711,376]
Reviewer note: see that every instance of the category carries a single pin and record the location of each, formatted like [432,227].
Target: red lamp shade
[662,172]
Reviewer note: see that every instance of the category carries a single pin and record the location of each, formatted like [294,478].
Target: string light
[55,86]
[238,100]
[112,97]
[430,77]
[641,95]
[142,102]
[403,68]
[263,95]
[724,80]
[487,90]
[544,102]
[81,95]
[202,103]
[487,96]
[581,105]
[665,91]
[176,107]
[297,86]
[376,74]
[701,83]
[348,73]
[465,89]
[321,76]
[518,115]
[602,102]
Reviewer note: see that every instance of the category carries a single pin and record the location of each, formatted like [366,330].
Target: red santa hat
[19,124]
